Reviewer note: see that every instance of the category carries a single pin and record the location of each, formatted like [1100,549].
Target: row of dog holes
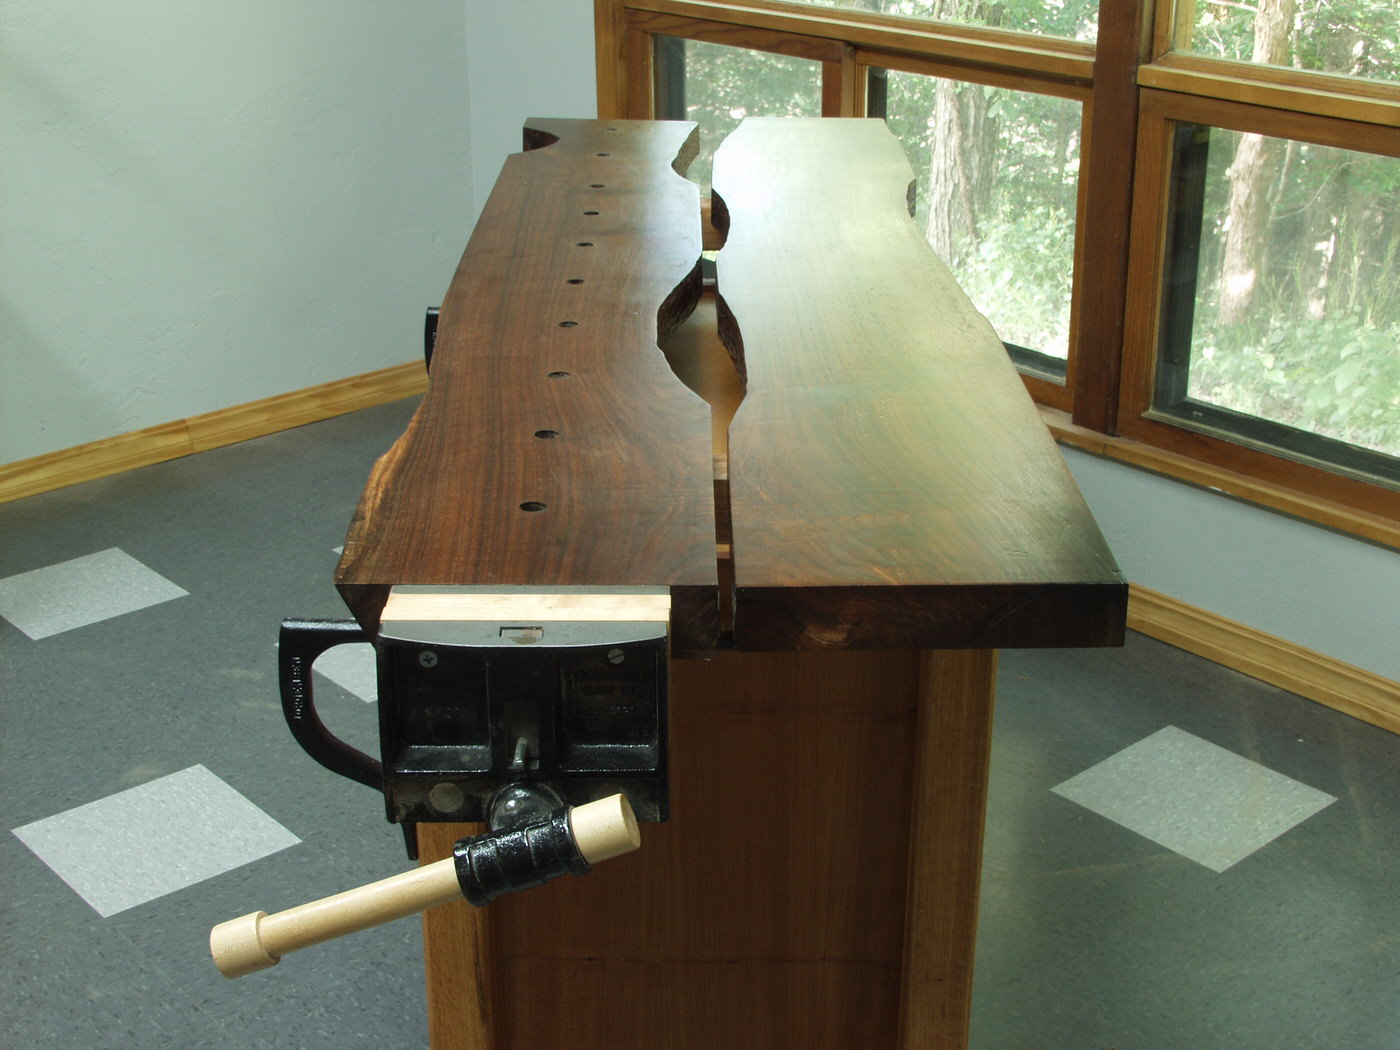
[534,506]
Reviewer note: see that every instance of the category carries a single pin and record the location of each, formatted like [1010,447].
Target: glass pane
[1283,303]
[718,86]
[997,175]
[1075,19]
[1351,37]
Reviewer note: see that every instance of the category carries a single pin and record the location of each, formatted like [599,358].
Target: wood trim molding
[610,45]
[1308,93]
[225,426]
[1374,527]
[814,49]
[1047,56]
[1340,686]
[1106,180]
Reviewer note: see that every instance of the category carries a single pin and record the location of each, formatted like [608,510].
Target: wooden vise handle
[602,830]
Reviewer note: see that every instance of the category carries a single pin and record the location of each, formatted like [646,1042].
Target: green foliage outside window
[1297,314]
[1075,19]
[997,175]
[723,85]
[1296,317]
[1349,37]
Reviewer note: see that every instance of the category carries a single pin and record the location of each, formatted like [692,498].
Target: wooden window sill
[1374,528]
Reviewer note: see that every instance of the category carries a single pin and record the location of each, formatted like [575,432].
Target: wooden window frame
[1077,89]
[1133,86]
[1160,111]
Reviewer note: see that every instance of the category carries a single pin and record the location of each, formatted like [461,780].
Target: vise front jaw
[483,688]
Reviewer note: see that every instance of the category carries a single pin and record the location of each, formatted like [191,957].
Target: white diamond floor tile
[83,591]
[352,667]
[1194,798]
[148,841]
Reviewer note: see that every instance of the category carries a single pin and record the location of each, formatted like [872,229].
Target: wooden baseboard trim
[227,426]
[1340,686]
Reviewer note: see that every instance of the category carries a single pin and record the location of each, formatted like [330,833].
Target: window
[717,86]
[1076,19]
[997,187]
[1359,38]
[1183,216]
[1281,318]
[1261,333]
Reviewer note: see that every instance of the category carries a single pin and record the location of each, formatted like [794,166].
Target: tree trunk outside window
[1251,191]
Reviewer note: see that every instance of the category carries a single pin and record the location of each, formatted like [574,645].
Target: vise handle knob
[605,829]
[601,830]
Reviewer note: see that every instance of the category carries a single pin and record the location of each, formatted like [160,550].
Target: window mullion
[1103,278]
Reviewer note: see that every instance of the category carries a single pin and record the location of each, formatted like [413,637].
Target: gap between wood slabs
[700,360]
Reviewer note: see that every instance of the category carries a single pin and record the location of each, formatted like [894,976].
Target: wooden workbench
[840,477]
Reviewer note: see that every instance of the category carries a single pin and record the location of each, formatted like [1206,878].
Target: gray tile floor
[1177,856]
[153,839]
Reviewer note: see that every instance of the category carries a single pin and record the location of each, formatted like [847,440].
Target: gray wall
[527,59]
[207,204]
[1307,584]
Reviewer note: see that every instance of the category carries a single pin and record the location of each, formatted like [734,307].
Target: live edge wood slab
[884,511]
[890,485]
[554,445]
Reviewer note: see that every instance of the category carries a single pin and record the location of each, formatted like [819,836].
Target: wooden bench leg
[951,764]
[773,910]
[456,957]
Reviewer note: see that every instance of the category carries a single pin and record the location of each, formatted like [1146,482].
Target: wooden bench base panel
[771,911]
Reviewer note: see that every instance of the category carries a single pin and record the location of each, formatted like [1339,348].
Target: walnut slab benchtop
[554,445]
[890,484]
